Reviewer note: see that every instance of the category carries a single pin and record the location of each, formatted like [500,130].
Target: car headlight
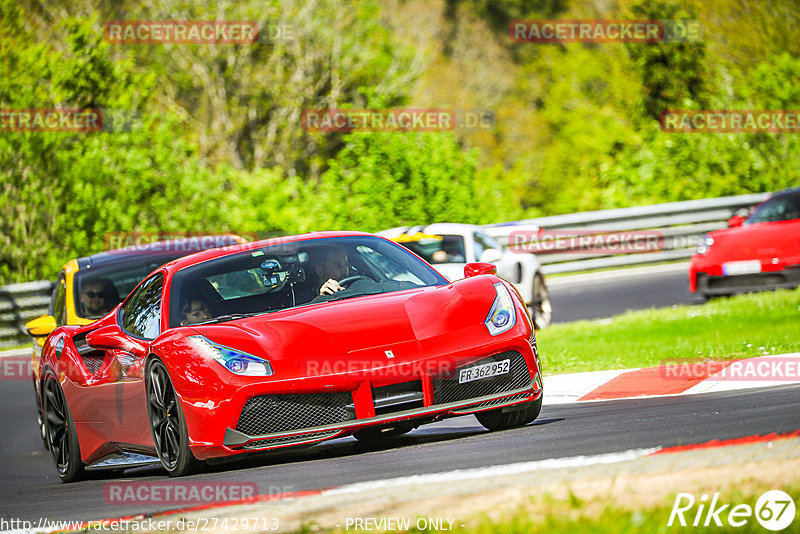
[503,315]
[235,361]
[704,244]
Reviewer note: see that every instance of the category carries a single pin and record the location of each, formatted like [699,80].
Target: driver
[333,266]
[93,298]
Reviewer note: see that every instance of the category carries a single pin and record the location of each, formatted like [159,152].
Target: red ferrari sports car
[281,343]
[760,252]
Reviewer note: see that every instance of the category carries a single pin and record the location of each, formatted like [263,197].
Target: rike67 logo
[774,510]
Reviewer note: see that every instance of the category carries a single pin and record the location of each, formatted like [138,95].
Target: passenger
[452,251]
[195,311]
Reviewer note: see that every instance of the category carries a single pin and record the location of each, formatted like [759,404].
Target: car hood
[410,324]
[757,241]
[451,271]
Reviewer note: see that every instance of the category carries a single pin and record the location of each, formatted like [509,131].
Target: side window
[58,301]
[483,242]
[141,313]
[477,243]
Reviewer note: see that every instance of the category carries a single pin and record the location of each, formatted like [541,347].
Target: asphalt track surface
[30,489]
[611,293]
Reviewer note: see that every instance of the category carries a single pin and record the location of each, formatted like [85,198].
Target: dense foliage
[213,140]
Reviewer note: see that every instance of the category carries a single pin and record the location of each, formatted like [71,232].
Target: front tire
[540,307]
[499,420]
[62,437]
[167,423]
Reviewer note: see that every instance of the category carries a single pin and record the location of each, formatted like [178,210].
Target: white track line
[558,281]
[495,470]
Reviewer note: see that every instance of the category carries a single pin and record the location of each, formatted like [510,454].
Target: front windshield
[435,249]
[288,275]
[781,208]
[101,287]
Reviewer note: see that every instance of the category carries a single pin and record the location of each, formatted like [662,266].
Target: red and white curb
[675,378]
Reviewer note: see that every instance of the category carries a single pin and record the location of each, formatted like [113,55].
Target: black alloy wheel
[167,423]
[62,437]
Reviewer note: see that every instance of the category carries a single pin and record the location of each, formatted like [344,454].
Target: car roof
[435,228]
[167,248]
[787,191]
[211,254]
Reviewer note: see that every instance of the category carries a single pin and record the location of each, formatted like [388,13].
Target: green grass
[16,347]
[571,515]
[727,328]
[574,515]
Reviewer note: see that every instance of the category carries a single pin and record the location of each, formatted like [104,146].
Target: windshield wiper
[229,317]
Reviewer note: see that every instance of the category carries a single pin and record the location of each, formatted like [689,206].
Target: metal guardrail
[19,303]
[680,223]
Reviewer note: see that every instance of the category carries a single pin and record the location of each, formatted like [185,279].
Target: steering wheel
[350,279]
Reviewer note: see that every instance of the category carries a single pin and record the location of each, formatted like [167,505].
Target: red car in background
[760,252]
[237,350]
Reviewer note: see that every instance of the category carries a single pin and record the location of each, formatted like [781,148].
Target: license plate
[485,370]
[741,267]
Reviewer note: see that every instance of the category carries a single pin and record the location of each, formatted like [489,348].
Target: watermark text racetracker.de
[66,120]
[181,493]
[378,369]
[604,31]
[179,241]
[197,32]
[328,120]
[763,368]
[147,524]
[731,121]
[584,241]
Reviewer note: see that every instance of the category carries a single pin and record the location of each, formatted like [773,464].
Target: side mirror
[111,337]
[41,326]
[476,269]
[491,255]
[735,221]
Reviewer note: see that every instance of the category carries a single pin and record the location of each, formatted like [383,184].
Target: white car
[449,246]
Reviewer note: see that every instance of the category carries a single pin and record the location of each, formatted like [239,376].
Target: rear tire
[40,420]
[167,423]
[62,437]
[499,420]
[541,309]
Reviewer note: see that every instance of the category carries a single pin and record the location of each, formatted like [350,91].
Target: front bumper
[744,283]
[283,420]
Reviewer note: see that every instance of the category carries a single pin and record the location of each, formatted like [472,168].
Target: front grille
[495,402]
[447,389]
[260,444]
[267,414]
[397,397]
[746,280]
